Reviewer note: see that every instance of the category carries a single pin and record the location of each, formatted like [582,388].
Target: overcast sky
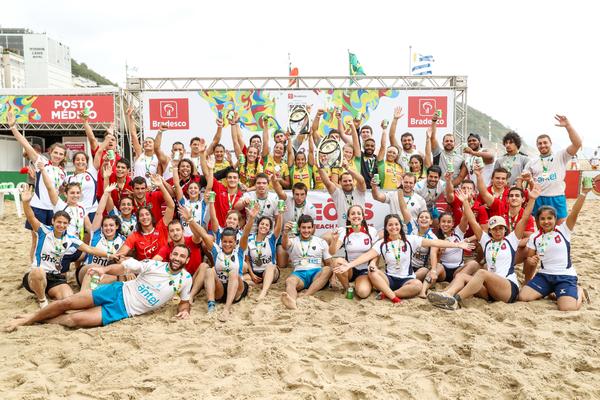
[525,61]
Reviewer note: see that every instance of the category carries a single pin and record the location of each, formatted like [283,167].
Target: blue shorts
[396,283]
[307,276]
[110,298]
[358,272]
[514,293]
[42,215]
[558,202]
[562,285]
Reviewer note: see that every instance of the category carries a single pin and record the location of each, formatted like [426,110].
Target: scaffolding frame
[458,84]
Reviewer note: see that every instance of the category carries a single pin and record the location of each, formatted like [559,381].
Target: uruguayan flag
[422,65]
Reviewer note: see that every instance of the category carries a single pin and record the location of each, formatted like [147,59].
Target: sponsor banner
[188,114]
[326,220]
[58,109]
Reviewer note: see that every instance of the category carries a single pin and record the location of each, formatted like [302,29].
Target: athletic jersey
[273,167]
[430,195]
[267,207]
[319,185]
[513,164]
[500,256]
[304,175]
[99,241]
[218,234]
[77,213]
[127,225]
[390,174]
[442,158]
[248,173]
[420,254]
[356,244]
[344,200]
[398,255]
[154,200]
[452,258]
[41,198]
[199,211]
[307,254]
[415,203]
[292,213]
[554,250]
[404,158]
[50,250]
[549,172]
[146,245]
[145,166]
[227,262]
[154,286]
[261,253]
[89,186]
[195,254]
[224,201]
[220,166]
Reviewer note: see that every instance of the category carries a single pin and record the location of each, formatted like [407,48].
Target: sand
[330,348]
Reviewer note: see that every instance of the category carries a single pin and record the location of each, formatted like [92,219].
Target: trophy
[298,119]
[330,154]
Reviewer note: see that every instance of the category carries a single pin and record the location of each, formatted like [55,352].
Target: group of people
[206,218]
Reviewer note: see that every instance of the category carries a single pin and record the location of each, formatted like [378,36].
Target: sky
[525,61]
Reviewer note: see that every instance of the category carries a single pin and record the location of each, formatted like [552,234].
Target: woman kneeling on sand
[399,280]
[499,280]
[551,246]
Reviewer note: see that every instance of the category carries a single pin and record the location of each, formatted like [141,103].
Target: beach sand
[330,348]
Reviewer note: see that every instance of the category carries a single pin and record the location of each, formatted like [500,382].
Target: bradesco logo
[421,109]
[174,113]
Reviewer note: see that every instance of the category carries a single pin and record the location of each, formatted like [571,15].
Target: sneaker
[442,300]
[212,307]
[42,302]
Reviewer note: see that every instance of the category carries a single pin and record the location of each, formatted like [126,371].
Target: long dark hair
[255,164]
[138,225]
[117,223]
[363,223]
[440,233]
[386,235]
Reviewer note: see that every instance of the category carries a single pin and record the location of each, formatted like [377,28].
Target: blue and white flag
[422,64]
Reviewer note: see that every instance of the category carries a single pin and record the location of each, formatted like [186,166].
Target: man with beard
[475,156]
[414,202]
[549,170]
[447,158]
[513,160]
[156,284]
[345,195]
[407,142]
[266,200]
[430,189]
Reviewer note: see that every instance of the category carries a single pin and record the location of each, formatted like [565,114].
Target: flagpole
[410,59]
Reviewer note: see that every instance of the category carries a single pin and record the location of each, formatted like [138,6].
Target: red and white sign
[173,113]
[422,108]
[57,109]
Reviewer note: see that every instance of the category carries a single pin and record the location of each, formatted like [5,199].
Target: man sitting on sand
[307,254]
[156,283]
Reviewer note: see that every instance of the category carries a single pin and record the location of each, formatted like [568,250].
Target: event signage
[58,109]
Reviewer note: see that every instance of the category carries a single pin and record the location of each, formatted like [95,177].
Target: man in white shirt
[549,170]
[431,188]
[267,201]
[345,195]
[307,255]
[448,159]
[414,201]
[156,283]
[475,156]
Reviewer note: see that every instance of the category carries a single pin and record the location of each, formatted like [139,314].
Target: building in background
[47,62]
[12,70]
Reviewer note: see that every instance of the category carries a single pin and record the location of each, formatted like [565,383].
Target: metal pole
[410,60]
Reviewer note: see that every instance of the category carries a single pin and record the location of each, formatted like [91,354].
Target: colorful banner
[190,114]
[58,109]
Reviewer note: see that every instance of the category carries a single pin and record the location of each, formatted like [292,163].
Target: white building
[12,70]
[47,62]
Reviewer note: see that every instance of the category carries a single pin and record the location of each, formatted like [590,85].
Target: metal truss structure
[136,86]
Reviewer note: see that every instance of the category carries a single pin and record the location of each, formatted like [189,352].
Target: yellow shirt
[220,166]
[304,175]
[248,174]
[390,174]
[319,185]
[278,168]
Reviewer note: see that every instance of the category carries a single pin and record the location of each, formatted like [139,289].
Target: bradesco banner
[326,220]
[58,109]
[189,114]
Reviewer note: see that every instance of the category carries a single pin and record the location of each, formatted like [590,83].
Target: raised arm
[278,225]
[135,141]
[159,182]
[486,196]
[382,146]
[235,138]
[89,133]
[356,151]
[428,160]
[361,184]
[449,191]
[334,243]
[314,128]
[12,123]
[403,207]
[52,193]
[534,193]
[311,153]
[162,157]
[26,196]
[397,115]
[572,217]
[265,140]
[469,214]
[376,193]
[330,186]
[434,142]
[97,222]
[217,138]
[277,187]
[445,244]
[289,150]
[176,184]
[252,213]
[574,137]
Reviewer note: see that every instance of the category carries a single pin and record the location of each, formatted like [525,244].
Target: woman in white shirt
[354,240]
[499,281]
[551,247]
[399,280]
[86,177]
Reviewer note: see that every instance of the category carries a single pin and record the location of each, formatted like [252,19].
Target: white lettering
[169,124]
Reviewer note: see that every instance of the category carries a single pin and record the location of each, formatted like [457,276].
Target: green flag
[354,64]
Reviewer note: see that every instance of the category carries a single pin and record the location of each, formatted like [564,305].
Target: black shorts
[449,274]
[396,283]
[223,298]
[52,280]
[358,272]
[514,293]
[275,277]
